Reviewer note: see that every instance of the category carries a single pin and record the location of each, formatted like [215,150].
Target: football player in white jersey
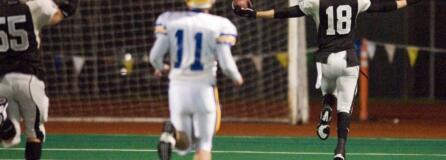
[337,64]
[22,90]
[196,41]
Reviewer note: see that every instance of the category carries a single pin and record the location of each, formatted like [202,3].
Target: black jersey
[336,20]
[19,44]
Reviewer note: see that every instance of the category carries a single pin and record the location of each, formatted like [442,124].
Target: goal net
[97,64]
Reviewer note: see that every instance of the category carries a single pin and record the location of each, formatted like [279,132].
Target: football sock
[33,150]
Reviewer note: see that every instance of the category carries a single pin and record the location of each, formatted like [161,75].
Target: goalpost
[97,65]
[297,71]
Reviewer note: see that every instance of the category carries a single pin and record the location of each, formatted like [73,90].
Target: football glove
[244,12]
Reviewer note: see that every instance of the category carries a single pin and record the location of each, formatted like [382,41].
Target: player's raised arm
[244,8]
[387,6]
[67,8]
[48,12]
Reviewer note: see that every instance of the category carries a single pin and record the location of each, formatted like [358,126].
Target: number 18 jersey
[193,38]
[336,21]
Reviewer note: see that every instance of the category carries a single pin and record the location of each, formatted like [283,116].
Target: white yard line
[237,152]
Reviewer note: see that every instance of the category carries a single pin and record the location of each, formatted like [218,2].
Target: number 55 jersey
[19,36]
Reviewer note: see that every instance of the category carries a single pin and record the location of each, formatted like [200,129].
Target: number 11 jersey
[193,38]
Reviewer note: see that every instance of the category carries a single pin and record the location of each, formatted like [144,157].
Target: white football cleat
[339,157]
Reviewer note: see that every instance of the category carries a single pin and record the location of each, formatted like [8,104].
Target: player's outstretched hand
[244,8]
[245,12]
[239,83]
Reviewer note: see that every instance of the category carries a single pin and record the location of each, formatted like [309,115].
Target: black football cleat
[164,150]
[323,129]
[3,106]
[167,141]
[339,153]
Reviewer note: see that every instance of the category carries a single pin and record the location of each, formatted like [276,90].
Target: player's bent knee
[342,109]
[182,141]
[7,130]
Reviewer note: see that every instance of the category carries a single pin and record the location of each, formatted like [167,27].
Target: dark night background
[104,30]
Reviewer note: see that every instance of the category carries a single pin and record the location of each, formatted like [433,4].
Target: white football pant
[339,80]
[195,110]
[27,100]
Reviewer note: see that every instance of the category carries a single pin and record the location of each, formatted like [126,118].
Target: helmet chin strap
[198,10]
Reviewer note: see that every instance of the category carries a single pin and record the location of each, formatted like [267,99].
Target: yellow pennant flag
[413,55]
[282,57]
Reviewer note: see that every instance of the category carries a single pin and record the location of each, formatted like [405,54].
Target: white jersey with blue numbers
[192,39]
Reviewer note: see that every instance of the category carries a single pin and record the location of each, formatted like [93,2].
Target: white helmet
[200,4]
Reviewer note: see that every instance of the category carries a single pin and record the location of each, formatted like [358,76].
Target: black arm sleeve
[383,6]
[412,2]
[68,7]
[288,12]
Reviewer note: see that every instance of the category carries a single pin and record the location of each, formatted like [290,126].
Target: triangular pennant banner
[390,49]
[258,62]
[283,59]
[413,55]
[78,64]
[371,49]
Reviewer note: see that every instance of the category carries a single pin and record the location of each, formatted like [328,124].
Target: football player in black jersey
[337,64]
[22,90]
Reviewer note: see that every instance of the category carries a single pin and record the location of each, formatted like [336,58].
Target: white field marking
[285,137]
[239,152]
[354,138]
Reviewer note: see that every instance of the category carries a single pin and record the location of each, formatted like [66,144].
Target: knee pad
[7,130]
